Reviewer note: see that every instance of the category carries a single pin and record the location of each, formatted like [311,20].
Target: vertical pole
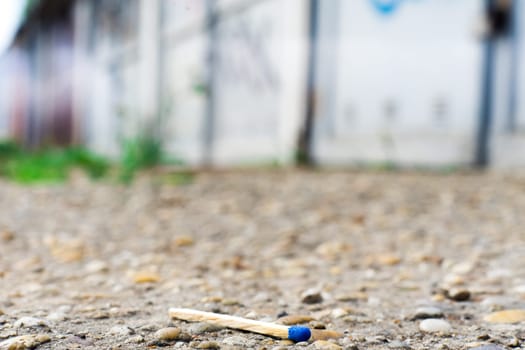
[210,61]
[149,39]
[161,72]
[514,38]
[305,155]
[81,15]
[485,115]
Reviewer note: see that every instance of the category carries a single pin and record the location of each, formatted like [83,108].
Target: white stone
[96,266]
[121,330]
[519,289]
[463,268]
[339,312]
[434,325]
[56,316]
[168,333]
[29,322]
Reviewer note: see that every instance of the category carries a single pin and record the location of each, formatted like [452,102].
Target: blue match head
[299,333]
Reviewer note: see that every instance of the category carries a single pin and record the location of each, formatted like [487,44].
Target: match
[294,333]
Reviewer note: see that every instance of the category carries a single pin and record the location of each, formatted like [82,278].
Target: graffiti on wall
[248,74]
[386,7]
[244,55]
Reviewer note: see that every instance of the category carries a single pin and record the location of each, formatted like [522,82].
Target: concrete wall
[257,75]
[224,82]
[405,88]
[254,61]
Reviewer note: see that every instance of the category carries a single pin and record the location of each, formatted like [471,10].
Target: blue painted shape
[386,7]
[299,333]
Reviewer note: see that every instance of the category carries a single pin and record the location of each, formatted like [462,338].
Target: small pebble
[317,325]
[506,316]
[434,325]
[56,316]
[252,315]
[428,312]
[169,333]
[376,339]
[462,268]
[353,297]
[203,327]
[388,259]
[96,266]
[208,345]
[339,312]
[26,322]
[520,289]
[137,339]
[121,330]
[238,341]
[146,277]
[286,342]
[183,241]
[454,280]
[332,249]
[99,315]
[79,342]
[295,319]
[7,236]
[23,342]
[458,294]
[311,296]
[324,334]
[396,344]
[513,342]
[326,345]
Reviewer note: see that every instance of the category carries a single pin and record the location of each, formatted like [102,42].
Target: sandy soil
[391,261]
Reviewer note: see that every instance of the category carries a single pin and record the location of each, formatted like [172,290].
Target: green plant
[47,165]
[8,149]
[140,153]
[95,165]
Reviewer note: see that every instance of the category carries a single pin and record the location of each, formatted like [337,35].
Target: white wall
[259,73]
[407,84]
[400,87]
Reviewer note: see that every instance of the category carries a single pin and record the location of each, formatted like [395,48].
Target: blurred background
[425,83]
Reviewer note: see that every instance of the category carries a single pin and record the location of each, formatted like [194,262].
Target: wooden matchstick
[294,333]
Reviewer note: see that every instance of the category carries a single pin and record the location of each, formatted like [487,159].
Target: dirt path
[96,266]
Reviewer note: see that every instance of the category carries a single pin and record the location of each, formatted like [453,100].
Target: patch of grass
[47,165]
[95,165]
[137,154]
[8,149]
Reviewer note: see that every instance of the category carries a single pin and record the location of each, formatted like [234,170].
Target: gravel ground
[389,260]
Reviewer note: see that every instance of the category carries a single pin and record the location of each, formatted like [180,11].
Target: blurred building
[35,90]
[424,83]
